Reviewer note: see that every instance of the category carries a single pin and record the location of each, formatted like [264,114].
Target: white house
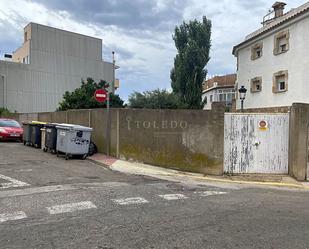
[273,61]
[50,62]
[219,89]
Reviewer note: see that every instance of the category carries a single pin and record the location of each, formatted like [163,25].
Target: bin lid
[37,122]
[73,127]
[51,125]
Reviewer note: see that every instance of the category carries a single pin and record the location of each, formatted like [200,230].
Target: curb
[276,184]
[206,178]
[97,162]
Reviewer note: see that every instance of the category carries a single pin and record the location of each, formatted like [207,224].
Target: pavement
[136,168]
[48,202]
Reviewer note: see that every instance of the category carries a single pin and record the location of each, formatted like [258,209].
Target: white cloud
[145,54]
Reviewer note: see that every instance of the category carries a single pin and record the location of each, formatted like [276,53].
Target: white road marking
[209,193]
[71,207]
[12,216]
[171,197]
[36,190]
[11,183]
[129,201]
[16,170]
[65,187]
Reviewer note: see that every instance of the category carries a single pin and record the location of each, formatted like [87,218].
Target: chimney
[278,8]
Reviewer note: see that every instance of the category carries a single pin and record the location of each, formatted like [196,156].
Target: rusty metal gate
[256,143]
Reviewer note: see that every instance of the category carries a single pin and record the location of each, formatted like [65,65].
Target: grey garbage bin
[73,140]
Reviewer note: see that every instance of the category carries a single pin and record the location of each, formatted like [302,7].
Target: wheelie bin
[73,140]
[26,133]
[35,139]
[43,137]
[51,137]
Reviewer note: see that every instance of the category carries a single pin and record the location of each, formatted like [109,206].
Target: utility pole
[108,118]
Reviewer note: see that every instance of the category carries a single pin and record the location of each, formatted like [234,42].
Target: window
[24,60]
[25,36]
[224,95]
[210,98]
[256,51]
[256,84]
[281,42]
[280,82]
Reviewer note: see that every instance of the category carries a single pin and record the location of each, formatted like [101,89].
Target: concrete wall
[190,140]
[298,149]
[295,60]
[21,53]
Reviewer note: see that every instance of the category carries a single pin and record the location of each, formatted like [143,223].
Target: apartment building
[273,61]
[219,89]
[50,62]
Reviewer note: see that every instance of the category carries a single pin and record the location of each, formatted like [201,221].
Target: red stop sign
[100,95]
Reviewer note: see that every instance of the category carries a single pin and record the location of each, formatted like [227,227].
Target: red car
[10,130]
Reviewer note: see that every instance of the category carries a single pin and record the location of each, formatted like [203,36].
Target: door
[256,143]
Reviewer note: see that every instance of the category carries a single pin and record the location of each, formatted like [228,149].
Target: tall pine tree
[193,42]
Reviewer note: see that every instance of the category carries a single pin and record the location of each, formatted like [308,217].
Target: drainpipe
[4,89]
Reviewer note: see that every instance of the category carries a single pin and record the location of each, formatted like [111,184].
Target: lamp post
[242,95]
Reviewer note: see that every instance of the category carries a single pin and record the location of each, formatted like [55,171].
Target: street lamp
[242,95]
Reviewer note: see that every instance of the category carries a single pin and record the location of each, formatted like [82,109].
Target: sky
[139,31]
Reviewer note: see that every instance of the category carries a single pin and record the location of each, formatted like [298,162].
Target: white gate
[256,143]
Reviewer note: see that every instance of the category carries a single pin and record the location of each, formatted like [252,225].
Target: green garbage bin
[27,133]
[51,137]
[35,139]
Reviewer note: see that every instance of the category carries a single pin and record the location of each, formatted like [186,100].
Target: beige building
[50,62]
[219,89]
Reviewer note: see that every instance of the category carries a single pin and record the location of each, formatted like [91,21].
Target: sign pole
[108,119]
[101,95]
[107,125]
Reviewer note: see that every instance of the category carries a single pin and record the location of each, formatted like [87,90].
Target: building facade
[219,89]
[272,62]
[50,62]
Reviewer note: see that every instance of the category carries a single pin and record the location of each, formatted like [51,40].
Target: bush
[83,97]
[156,99]
[4,112]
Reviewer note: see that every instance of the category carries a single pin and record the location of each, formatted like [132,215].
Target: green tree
[83,97]
[155,99]
[4,112]
[193,42]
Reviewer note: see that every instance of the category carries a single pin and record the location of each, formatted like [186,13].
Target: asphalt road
[47,202]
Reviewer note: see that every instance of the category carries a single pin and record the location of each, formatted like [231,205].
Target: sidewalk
[195,178]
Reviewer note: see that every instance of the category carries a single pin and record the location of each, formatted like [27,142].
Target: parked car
[10,129]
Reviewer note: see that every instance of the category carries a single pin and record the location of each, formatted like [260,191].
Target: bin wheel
[53,151]
[45,149]
[36,146]
[84,156]
[57,154]
[67,157]
[25,142]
